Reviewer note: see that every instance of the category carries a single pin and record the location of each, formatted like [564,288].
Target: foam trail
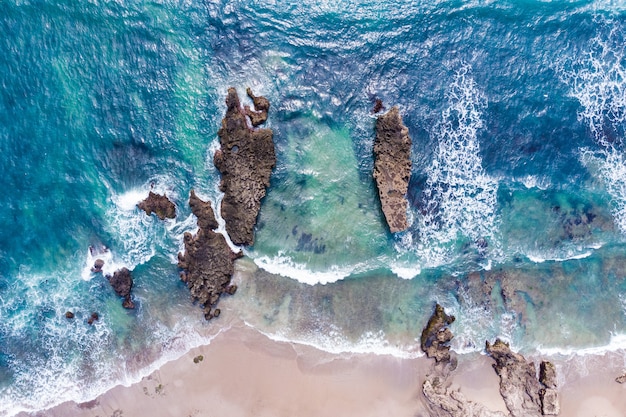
[460,197]
[598,82]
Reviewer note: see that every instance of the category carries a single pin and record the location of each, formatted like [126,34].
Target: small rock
[94,317]
[621,379]
[97,266]
[198,359]
[69,315]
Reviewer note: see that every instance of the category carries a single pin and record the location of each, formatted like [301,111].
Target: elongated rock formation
[392,168]
[208,263]
[159,205]
[245,160]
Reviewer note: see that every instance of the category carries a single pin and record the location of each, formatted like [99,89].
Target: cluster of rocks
[208,263]
[524,394]
[392,167]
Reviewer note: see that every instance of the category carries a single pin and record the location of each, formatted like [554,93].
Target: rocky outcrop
[159,205]
[245,160]
[392,168]
[257,116]
[443,400]
[122,283]
[208,263]
[524,394]
[436,336]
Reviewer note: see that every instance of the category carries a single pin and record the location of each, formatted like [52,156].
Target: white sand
[244,373]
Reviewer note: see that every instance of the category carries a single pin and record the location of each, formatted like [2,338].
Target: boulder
[93,318]
[392,168]
[208,263]
[245,159]
[69,315]
[122,283]
[159,205]
[97,266]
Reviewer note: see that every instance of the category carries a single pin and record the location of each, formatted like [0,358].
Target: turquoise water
[517,112]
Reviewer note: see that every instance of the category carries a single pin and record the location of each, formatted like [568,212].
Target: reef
[159,205]
[392,168]
[245,160]
[208,263]
[122,283]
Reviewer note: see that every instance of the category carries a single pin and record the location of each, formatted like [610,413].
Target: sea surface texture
[517,198]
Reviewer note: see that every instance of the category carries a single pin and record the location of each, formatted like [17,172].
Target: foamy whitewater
[517,197]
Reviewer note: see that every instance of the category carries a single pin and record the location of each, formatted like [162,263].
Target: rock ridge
[392,168]
[245,160]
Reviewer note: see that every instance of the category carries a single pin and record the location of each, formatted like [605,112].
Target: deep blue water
[517,111]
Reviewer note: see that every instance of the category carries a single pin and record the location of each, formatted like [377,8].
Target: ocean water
[517,111]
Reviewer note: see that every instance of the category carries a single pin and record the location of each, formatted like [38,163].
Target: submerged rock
[122,283]
[392,168]
[245,160]
[159,205]
[93,318]
[208,263]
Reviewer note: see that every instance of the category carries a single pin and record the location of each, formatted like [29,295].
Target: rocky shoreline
[524,394]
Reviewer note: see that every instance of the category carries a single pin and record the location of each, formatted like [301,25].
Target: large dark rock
[122,283]
[208,263]
[245,160]
[436,336]
[159,205]
[392,168]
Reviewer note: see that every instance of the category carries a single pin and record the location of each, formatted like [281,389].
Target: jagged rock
[208,263]
[245,160]
[69,315]
[122,283]
[94,317]
[446,402]
[550,405]
[378,106]
[621,379]
[159,205]
[436,336]
[519,386]
[97,266]
[261,108]
[392,168]
[547,374]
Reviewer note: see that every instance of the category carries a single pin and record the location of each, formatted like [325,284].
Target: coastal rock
[97,266]
[93,318]
[208,263]
[550,405]
[261,108]
[122,283]
[436,336]
[621,379]
[245,160]
[159,205]
[69,315]
[519,386]
[392,168]
[446,402]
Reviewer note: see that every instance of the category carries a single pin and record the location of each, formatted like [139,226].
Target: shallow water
[517,197]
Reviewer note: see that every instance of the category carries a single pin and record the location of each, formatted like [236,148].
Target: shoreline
[245,373]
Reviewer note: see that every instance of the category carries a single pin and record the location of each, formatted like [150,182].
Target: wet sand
[244,373]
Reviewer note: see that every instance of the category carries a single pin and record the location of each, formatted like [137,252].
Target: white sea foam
[285,266]
[333,341]
[598,81]
[460,197]
[571,255]
[616,343]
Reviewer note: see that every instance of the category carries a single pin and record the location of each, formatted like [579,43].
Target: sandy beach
[244,373]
